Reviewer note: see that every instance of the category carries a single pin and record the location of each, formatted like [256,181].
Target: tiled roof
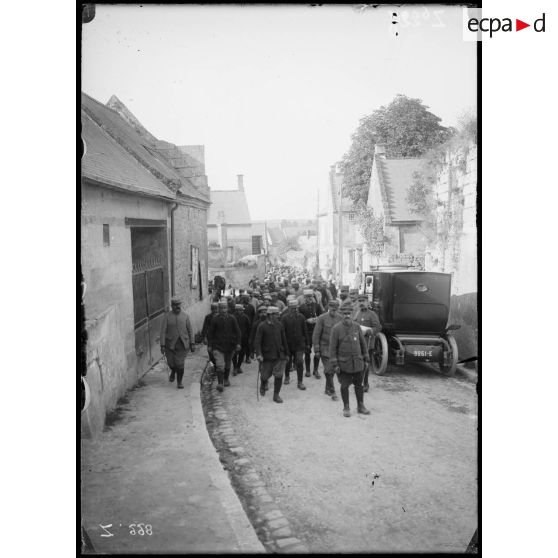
[142,147]
[133,142]
[107,162]
[396,175]
[228,206]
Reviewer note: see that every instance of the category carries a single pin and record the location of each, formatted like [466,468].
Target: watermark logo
[476,27]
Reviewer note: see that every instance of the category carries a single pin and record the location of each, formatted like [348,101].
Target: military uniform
[296,334]
[223,338]
[272,350]
[368,318]
[348,355]
[310,311]
[175,336]
[244,326]
[320,341]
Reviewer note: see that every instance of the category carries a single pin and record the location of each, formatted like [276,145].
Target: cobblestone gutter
[270,525]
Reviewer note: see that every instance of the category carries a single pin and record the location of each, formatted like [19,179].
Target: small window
[351,216]
[106,235]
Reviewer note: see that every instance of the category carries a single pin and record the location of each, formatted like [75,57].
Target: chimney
[380,149]
[240,182]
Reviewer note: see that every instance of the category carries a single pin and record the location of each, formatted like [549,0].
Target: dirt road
[403,478]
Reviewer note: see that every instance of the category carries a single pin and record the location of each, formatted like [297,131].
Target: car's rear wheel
[449,369]
[379,360]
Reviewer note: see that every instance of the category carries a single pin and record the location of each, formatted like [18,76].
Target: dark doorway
[150,291]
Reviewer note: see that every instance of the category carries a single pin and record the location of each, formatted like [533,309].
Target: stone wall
[455,251]
[190,231]
[108,300]
[455,191]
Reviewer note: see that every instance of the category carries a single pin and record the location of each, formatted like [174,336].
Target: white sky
[274,93]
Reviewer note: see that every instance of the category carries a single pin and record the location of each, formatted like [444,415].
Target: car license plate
[425,353]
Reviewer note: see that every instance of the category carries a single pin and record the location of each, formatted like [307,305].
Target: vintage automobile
[413,307]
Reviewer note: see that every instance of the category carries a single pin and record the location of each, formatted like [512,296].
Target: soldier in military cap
[244,325]
[349,355]
[223,339]
[310,309]
[320,341]
[298,341]
[271,351]
[260,317]
[343,293]
[367,318]
[175,336]
[206,323]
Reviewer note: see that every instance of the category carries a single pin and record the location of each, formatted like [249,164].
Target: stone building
[143,239]
[389,185]
[229,228]
[337,226]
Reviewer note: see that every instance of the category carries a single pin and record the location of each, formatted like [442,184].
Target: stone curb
[271,526]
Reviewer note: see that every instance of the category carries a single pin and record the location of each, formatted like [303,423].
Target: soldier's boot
[171,377]
[263,387]
[276,389]
[235,371]
[299,376]
[360,401]
[316,364]
[317,375]
[307,364]
[179,376]
[345,397]
[366,387]
[287,379]
[219,380]
[227,372]
[330,387]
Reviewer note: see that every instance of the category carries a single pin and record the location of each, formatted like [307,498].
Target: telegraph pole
[266,246]
[317,270]
[340,232]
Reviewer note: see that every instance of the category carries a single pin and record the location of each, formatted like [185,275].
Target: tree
[405,127]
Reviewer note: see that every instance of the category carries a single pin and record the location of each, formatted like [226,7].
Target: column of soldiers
[280,320]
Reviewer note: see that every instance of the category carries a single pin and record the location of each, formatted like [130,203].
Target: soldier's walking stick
[258,380]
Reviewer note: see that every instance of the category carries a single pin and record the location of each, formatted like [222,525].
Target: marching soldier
[205,328]
[261,317]
[366,317]
[244,325]
[271,351]
[310,310]
[223,339]
[296,334]
[320,340]
[175,336]
[343,293]
[276,302]
[349,355]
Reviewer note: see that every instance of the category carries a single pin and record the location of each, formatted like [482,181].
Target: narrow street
[403,478]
